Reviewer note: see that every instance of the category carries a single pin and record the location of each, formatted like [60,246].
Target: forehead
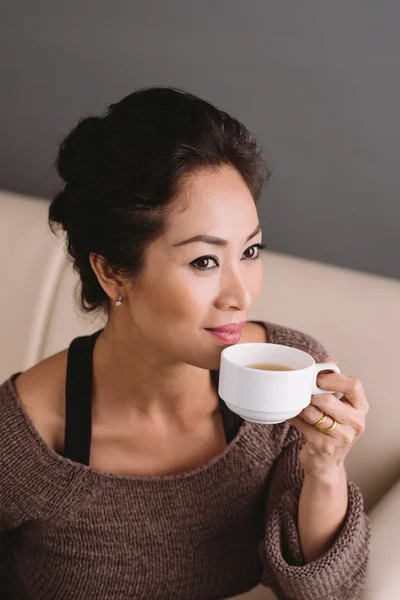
[217,201]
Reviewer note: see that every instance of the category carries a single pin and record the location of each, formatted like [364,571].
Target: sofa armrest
[383,579]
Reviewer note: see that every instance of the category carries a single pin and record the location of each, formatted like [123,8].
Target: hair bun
[81,154]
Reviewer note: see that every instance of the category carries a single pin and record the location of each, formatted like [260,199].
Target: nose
[235,292]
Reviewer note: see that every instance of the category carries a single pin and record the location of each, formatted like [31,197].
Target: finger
[312,414]
[328,370]
[330,405]
[311,434]
[351,387]
[328,360]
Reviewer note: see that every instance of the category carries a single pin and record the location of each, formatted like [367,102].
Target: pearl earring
[119,301]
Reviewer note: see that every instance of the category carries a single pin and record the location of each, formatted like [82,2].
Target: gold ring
[321,421]
[331,428]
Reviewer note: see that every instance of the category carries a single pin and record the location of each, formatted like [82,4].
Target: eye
[205,259]
[257,248]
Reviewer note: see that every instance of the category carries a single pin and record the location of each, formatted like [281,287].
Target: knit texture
[71,532]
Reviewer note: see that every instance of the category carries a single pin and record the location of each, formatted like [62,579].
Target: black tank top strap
[231,420]
[78,409]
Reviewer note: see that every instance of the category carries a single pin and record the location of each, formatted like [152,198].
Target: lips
[230,328]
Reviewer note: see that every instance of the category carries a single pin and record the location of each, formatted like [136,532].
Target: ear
[111,281]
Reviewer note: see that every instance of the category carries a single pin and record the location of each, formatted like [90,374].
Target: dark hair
[122,169]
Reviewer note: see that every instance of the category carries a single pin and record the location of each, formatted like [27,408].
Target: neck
[129,378]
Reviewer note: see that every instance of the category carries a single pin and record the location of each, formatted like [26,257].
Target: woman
[124,475]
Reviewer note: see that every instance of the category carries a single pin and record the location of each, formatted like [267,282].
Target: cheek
[176,297]
[255,280]
[258,285]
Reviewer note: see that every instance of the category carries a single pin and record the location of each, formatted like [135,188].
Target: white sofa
[355,315]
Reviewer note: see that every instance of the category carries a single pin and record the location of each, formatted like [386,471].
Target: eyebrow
[216,241]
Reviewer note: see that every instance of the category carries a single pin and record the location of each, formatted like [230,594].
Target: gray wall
[317,81]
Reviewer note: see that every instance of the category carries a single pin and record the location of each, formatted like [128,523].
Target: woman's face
[188,287]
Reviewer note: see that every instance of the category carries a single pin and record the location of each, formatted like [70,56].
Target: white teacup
[269,396]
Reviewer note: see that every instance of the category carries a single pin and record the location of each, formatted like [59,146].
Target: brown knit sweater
[71,532]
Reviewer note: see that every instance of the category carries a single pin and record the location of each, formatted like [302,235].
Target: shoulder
[41,391]
[268,442]
[274,439]
[280,334]
[33,483]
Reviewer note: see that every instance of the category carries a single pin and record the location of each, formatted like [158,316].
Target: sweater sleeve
[340,572]
[336,575]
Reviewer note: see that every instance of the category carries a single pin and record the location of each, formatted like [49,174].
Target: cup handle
[323,367]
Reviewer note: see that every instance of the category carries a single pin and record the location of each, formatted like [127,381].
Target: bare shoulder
[41,389]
